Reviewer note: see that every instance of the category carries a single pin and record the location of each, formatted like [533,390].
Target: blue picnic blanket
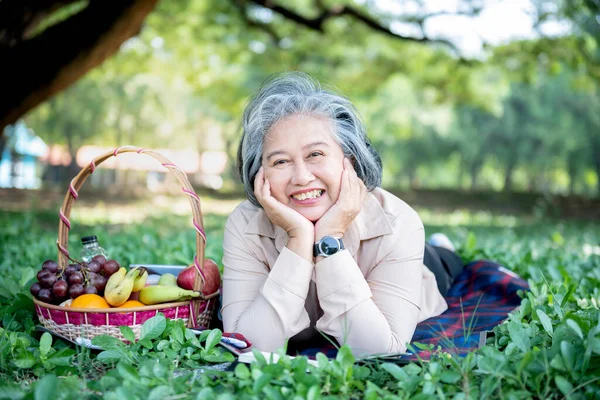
[480,298]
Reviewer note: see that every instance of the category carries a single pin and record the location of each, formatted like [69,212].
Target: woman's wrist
[320,234]
[302,246]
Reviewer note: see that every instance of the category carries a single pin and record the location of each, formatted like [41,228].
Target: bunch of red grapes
[56,285]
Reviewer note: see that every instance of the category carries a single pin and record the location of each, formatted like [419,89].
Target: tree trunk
[596,156]
[2,145]
[474,170]
[572,172]
[510,168]
[35,69]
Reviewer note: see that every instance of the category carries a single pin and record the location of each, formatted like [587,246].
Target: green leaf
[242,371]
[106,342]
[45,388]
[450,377]
[569,354]
[563,385]
[45,344]
[395,371]
[545,320]
[25,360]
[154,327]
[110,356]
[128,372]
[260,383]
[564,301]
[575,327]
[471,243]
[127,333]
[260,358]
[519,336]
[10,391]
[213,339]
[322,360]
[160,392]
[345,356]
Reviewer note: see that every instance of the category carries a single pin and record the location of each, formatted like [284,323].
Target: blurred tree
[48,45]
[472,133]
[71,118]
[31,31]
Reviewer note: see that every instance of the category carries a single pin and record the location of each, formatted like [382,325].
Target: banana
[165,293]
[118,288]
[167,280]
[139,276]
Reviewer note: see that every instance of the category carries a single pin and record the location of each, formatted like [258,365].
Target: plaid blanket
[480,298]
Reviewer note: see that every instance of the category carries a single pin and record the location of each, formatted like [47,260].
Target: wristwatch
[328,246]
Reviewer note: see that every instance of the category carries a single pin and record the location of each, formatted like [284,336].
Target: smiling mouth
[309,195]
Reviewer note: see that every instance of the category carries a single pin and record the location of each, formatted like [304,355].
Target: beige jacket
[370,296]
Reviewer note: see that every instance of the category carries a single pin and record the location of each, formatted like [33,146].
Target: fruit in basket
[89,301]
[60,289]
[131,304]
[71,268]
[186,277]
[50,265]
[46,278]
[35,288]
[76,277]
[45,295]
[168,280]
[163,294]
[94,266]
[76,290]
[119,286]
[140,276]
[90,290]
[98,281]
[110,267]
[100,259]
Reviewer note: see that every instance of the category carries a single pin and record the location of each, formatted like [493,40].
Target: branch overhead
[325,14]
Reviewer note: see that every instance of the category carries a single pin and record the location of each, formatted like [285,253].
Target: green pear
[167,280]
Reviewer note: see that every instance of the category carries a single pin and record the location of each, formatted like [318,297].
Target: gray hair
[297,93]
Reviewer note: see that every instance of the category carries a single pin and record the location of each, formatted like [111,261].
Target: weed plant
[548,348]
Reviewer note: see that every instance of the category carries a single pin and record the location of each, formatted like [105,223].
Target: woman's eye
[279,162]
[315,154]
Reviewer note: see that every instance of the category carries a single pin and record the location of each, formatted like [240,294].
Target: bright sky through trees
[499,22]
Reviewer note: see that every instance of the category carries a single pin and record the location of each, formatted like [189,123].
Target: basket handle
[64,224]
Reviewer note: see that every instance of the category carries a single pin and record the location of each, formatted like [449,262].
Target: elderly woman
[318,245]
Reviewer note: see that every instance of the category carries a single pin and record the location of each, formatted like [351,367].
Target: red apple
[186,277]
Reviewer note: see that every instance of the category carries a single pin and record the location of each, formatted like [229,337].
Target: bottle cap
[89,239]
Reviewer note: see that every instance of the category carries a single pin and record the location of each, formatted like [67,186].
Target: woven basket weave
[87,323]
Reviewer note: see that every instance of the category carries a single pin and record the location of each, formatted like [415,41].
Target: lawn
[549,347]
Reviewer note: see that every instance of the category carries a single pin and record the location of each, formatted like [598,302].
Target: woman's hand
[348,205]
[295,224]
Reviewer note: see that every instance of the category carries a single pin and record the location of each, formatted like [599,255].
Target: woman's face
[303,164]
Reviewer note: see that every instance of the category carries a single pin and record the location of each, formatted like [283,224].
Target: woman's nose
[302,175]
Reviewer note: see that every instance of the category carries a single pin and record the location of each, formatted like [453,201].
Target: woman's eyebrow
[306,146]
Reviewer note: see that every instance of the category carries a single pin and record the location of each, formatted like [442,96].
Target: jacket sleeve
[265,305]
[377,314]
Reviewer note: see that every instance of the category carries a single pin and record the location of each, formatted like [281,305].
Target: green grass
[549,347]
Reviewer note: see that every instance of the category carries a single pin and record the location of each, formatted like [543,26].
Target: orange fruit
[89,301]
[131,304]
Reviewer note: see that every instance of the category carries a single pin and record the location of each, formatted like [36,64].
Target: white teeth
[308,195]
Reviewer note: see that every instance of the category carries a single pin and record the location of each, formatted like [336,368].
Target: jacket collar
[371,222]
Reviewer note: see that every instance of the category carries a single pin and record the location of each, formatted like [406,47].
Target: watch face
[329,246]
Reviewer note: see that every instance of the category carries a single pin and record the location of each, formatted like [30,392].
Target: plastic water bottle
[91,248]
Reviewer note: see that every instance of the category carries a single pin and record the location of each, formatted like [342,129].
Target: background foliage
[518,116]
[548,348]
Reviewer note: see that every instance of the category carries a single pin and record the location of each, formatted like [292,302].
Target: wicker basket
[90,322]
